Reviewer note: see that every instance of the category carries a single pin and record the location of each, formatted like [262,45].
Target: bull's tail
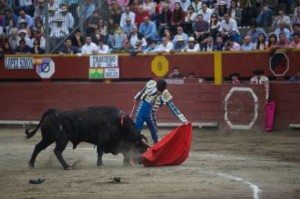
[30,133]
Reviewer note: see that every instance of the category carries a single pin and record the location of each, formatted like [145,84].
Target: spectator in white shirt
[102,48]
[281,16]
[89,47]
[67,17]
[206,12]
[127,14]
[165,47]
[192,46]
[228,28]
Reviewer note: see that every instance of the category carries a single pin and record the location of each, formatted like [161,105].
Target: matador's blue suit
[151,100]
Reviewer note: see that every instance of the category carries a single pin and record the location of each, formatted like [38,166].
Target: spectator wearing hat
[58,32]
[228,28]
[221,8]
[25,17]
[24,27]
[235,78]
[126,16]
[165,47]
[295,44]
[192,46]
[22,48]
[201,28]
[52,15]
[148,29]
[67,17]
[260,79]
[23,36]
[179,45]
[68,48]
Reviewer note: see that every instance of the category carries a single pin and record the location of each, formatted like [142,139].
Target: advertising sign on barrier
[104,67]
[18,63]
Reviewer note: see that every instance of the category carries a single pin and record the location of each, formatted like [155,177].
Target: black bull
[108,128]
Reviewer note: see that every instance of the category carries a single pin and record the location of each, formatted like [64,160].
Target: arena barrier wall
[228,106]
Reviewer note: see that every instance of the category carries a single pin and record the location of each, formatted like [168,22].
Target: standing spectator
[192,46]
[261,43]
[89,47]
[221,8]
[36,49]
[148,29]
[247,44]
[92,23]
[177,17]
[206,12]
[164,19]
[22,48]
[68,48]
[128,14]
[228,28]
[189,19]
[201,28]
[282,29]
[281,17]
[235,12]
[77,39]
[260,79]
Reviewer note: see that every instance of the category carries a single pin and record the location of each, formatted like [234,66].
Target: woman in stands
[261,43]
[177,17]
[272,43]
[214,25]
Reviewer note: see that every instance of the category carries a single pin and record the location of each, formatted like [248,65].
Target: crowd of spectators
[142,26]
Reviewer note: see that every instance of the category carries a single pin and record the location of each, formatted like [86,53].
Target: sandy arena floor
[221,165]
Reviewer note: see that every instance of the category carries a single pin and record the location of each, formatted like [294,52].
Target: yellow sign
[160,66]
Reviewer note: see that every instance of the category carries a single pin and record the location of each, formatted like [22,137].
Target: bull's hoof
[31,165]
[68,168]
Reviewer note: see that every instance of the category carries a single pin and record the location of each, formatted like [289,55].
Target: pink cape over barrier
[173,149]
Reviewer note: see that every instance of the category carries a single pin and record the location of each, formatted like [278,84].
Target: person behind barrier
[152,97]
[260,79]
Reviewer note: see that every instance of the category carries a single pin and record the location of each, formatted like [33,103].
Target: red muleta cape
[173,149]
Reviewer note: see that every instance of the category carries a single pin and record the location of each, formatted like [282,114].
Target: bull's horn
[146,143]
